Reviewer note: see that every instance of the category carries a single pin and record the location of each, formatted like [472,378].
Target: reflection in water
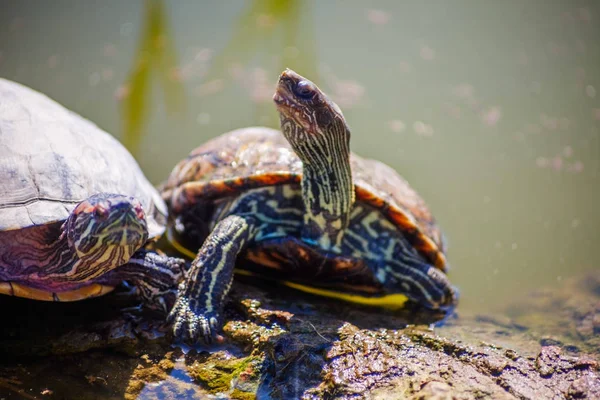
[156,54]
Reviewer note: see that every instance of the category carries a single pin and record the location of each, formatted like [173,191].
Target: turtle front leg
[155,277]
[197,310]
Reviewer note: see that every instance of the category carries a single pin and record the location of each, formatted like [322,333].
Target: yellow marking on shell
[86,292]
[394,301]
[6,288]
[19,290]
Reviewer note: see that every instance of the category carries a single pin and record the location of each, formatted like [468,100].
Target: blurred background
[490,109]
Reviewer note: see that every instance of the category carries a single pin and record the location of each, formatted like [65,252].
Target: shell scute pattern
[51,159]
[76,211]
[255,157]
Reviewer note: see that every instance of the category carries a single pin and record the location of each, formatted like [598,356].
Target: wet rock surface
[283,344]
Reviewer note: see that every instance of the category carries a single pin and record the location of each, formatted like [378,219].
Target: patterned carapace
[297,205]
[76,211]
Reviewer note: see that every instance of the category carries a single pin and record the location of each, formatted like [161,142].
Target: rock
[585,387]
[282,344]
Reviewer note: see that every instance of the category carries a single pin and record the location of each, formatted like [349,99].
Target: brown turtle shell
[255,157]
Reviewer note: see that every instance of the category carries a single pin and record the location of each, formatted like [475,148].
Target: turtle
[296,204]
[77,215]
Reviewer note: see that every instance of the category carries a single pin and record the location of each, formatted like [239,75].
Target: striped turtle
[299,206]
[75,209]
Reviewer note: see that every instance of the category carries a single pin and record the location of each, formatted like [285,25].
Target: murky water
[490,109]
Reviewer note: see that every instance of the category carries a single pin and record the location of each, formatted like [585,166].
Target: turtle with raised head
[298,205]
[76,211]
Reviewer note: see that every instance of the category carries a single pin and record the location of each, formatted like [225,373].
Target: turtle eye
[304,89]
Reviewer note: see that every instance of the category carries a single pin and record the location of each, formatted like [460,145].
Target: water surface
[490,109]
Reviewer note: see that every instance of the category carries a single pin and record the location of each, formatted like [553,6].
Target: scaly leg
[154,276]
[197,310]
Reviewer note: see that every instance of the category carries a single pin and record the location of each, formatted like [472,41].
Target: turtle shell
[51,159]
[256,157]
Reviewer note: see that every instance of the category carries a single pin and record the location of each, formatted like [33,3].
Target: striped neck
[327,188]
[316,129]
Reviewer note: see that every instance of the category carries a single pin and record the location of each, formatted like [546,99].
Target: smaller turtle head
[109,227]
[311,122]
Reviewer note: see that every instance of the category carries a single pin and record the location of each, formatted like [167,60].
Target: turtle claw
[190,324]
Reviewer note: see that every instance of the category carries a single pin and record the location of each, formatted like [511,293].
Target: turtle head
[311,122]
[316,130]
[107,225]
